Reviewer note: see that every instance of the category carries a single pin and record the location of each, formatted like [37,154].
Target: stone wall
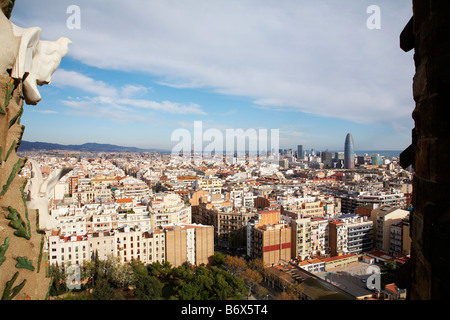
[428,34]
[22,261]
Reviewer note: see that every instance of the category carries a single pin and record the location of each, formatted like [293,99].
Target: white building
[68,250]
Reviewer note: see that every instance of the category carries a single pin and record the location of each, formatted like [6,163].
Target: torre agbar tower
[349,153]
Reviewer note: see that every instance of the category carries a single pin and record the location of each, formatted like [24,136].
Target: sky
[138,70]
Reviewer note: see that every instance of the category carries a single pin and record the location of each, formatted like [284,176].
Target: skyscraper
[327,159]
[299,152]
[349,153]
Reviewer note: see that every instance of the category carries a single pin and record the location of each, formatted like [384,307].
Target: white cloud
[115,104]
[133,90]
[77,80]
[309,56]
[45,111]
[105,109]
[165,106]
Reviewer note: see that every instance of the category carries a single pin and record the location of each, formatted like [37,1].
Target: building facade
[272,243]
[383,218]
[173,243]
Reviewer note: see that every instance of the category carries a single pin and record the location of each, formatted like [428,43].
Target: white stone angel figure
[39,194]
[37,60]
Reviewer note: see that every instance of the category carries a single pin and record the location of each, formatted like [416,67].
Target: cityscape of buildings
[283,214]
[313,210]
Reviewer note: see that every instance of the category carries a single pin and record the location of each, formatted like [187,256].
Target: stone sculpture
[37,61]
[25,63]
[39,194]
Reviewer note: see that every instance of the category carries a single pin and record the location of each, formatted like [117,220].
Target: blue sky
[138,70]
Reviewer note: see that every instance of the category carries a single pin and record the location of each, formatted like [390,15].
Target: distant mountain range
[87,147]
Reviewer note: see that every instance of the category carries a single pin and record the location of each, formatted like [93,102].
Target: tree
[160,270]
[295,289]
[58,285]
[261,292]
[251,278]
[236,240]
[81,296]
[222,289]
[88,271]
[182,273]
[258,265]
[235,284]
[139,269]
[235,265]
[388,273]
[104,291]
[285,295]
[219,258]
[148,288]
[120,274]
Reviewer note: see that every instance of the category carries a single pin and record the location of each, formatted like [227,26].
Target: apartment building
[65,250]
[92,195]
[71,223]
[174,243]
[211,184]
[272,243]
[400,240]
[319,236]
[189,242]
[359,233]
[105,181]
[73,183]
[338,233]
[129,187]
[187,181]
[165,209]
[313,265]
[169,208]
[383,218]
[241,198]
[301,237]
[102,244]
[312,209]
[230,226]
[147,247]
[339,262]
[261,218]
[309,235]
[351,202]
[331,206]
[318,265]
[263,202]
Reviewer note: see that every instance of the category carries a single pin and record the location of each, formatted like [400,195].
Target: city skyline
[134,75]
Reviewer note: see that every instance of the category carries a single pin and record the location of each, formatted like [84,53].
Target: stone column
[428,33]
[22,259]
